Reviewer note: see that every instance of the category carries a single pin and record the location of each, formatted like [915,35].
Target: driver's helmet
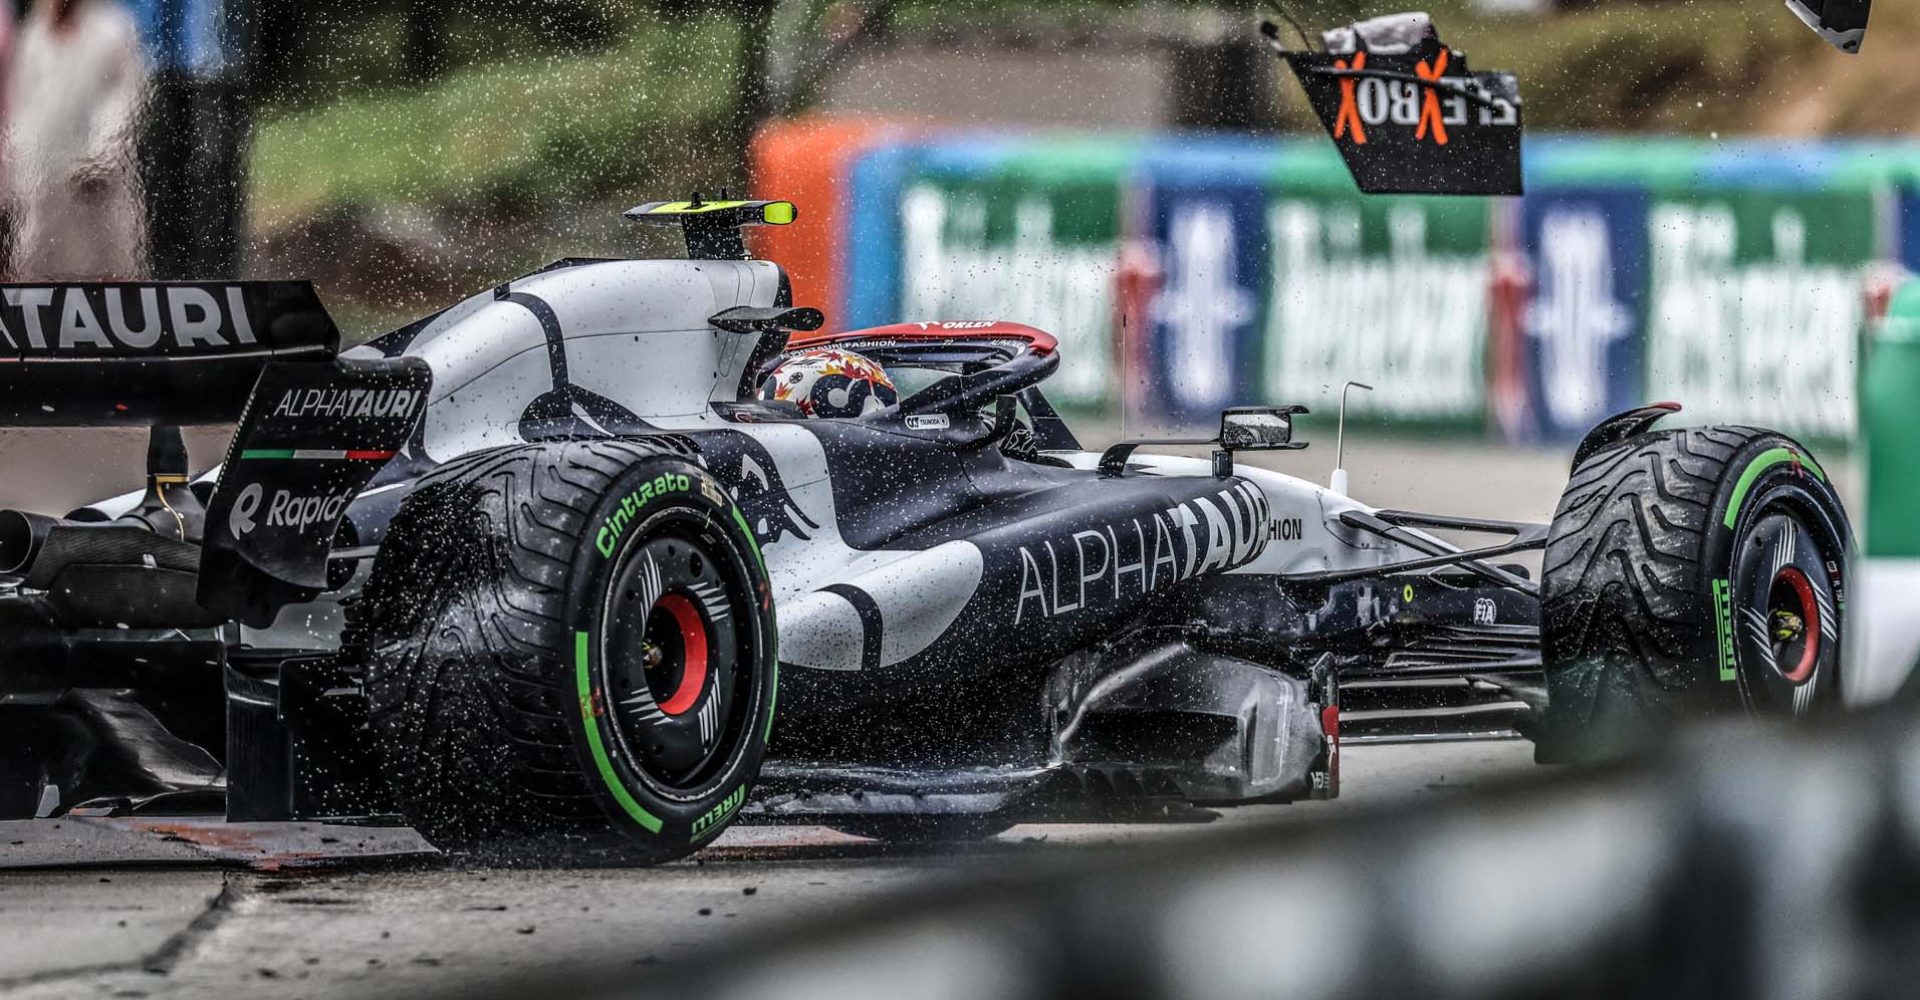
[829,382]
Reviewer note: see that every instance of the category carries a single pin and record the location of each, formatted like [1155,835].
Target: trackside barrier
[1886,636]
[1740,863]
[1725,273]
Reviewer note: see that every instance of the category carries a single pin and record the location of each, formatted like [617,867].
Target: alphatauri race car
[544,576]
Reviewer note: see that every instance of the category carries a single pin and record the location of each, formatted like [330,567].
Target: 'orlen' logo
[1574,317]
[957,324]
[286,510]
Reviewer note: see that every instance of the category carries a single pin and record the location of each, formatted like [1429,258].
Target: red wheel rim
[693,640]
[1793,577]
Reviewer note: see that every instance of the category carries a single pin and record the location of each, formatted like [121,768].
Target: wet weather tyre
[569,654]
[1688,573]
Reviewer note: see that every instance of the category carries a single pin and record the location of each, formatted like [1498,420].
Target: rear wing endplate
[311,437]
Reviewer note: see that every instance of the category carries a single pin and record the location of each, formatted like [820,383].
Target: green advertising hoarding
[1746,309]
[1391,291]
[1032,245]
[1754,306]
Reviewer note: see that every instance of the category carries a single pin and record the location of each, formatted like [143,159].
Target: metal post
[1339,483]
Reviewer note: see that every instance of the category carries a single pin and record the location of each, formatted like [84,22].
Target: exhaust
[22,535]
[35,548]
[165,527]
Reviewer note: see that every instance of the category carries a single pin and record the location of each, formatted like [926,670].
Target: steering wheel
[966,393]
[1016,357]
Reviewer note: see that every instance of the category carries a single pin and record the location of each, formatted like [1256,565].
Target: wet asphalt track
[183,928]
[180,926]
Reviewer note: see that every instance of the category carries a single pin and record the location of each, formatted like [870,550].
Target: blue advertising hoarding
[1582,326]
[1204,316]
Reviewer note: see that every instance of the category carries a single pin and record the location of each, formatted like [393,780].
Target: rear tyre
[1689,572]
[569,654]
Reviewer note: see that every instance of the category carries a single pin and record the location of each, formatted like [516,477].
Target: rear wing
[1406,113]
[115,353]
[313,427]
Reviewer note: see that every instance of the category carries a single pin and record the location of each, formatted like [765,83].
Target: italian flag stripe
[317,454]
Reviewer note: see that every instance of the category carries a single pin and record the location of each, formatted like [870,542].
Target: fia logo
[1201,304]
[1485,612]
[1575,317]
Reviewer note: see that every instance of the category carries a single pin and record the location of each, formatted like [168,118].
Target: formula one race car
[529,573]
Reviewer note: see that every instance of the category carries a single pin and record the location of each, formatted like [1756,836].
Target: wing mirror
[1259,428]
[1242,428]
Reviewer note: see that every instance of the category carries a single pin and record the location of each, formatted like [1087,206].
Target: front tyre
[1689,572]
[570,654]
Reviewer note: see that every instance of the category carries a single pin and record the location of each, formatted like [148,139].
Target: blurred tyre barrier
[1739,863]
[1723,273]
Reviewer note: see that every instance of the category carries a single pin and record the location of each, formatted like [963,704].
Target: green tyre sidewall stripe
[1750,474]
[583,673]
[607,533]
[1758,465]
[773,631]
[1760,477]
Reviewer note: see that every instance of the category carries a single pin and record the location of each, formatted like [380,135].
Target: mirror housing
[1242,428]
[1842,23]
[1259,428]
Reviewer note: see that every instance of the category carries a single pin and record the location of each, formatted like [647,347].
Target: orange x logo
[1430,104]
[1349,115]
